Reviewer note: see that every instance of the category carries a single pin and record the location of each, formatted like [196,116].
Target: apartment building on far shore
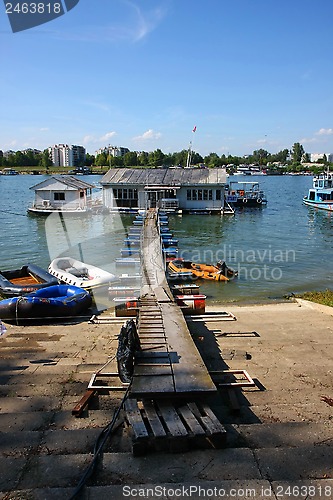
[63,155]
[314,157]
[112,151]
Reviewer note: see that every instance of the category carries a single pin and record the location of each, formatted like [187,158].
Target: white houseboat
[61,193]
[175,190]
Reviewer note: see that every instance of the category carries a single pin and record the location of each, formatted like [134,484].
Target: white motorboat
[77,273]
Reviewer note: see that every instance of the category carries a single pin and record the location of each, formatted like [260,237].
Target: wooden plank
[151,386]
[190,372]
[134,417]
[153,419]
[161,294]
[234,403]
[153,370]
[191,421]
[215,431]
[171,419]
[84,401]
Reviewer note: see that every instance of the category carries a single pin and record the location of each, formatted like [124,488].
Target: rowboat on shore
[80,274]
[26,279]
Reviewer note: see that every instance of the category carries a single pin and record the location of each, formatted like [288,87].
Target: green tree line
[290,158]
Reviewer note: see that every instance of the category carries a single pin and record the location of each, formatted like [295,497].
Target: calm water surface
[277,249]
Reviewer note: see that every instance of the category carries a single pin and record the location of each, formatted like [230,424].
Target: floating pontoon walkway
[168,363]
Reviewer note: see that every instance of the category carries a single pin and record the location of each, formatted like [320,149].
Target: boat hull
[56,301]
[77,273]
[27,279]
[322,205]
[49,211]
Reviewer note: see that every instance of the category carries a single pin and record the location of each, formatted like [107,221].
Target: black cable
[103,436]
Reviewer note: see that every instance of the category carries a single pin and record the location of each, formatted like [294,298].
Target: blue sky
[141,74]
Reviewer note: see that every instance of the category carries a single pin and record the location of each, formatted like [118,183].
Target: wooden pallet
[159,425]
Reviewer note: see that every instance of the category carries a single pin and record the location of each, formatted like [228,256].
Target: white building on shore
[63,155]
[114,151]
[314,157]
[187,190]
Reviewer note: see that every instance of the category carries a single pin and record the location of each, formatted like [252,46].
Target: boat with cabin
[245,194]
[321,193]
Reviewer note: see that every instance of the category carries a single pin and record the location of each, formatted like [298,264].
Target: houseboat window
[321,184]
[130,194]
[81,194]
[316,184]
[115,193]
[199,194]
[135,193]
[218,194]
[205,194]
[210,194]
[125,194]
[189,197]
[59,196]
[194,194]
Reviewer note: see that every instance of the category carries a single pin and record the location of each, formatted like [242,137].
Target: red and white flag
[195,128]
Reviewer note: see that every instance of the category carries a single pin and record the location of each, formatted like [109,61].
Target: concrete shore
[281,438]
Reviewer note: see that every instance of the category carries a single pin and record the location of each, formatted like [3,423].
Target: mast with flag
[189,154]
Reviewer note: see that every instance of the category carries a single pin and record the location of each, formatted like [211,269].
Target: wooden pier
[168,364]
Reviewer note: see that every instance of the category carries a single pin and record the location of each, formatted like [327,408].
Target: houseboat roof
[164,177]
[68,181]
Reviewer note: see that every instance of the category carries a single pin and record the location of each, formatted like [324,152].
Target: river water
[278,249]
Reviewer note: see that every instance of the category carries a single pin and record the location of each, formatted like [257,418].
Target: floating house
[171,189]
[62,193]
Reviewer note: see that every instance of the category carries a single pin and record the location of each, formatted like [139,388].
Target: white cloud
[148,135]
[135,24]
[92,139]
[44,129]
[88,138]
[325,131]
[107,136]
[308,140]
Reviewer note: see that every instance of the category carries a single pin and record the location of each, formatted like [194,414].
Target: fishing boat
[321,193]
[218,272]
[245,194]
[56,301]
[28,278]
[80,274]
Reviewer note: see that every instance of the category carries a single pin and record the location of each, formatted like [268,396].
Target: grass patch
[325,297]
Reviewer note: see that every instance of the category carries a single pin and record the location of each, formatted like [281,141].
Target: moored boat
[321,193]
[245,194]
[28,278]
[218,272]
[56,301]
[80,274]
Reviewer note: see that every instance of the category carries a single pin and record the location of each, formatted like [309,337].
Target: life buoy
[244,200]
[259,201]
[241,193]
